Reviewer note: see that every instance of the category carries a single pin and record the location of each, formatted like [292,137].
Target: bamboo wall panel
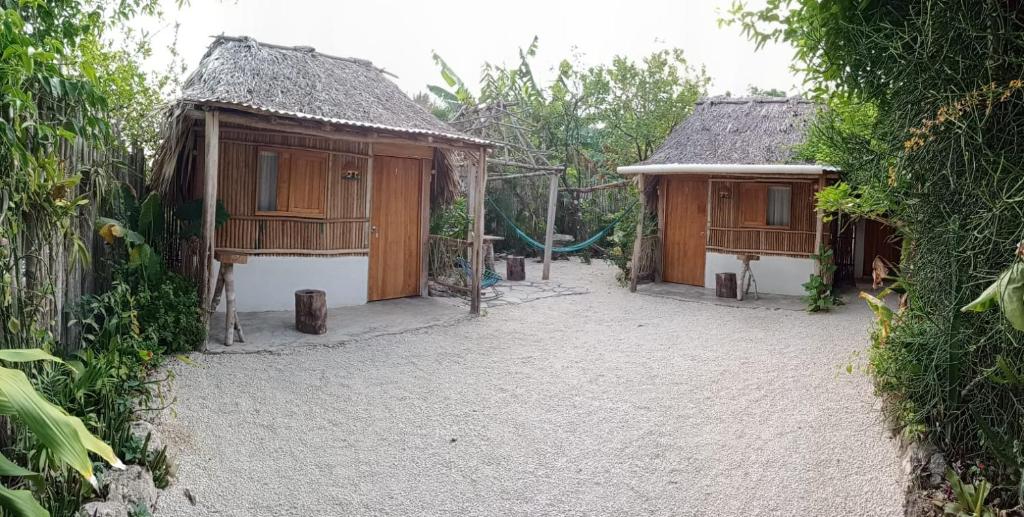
[344,230]
[240,134]
[727,233]
[254,234]
[348,190]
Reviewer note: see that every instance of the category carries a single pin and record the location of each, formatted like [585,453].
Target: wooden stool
[226,283]
[311,311]
[515,268]
[725,285]
[747,277]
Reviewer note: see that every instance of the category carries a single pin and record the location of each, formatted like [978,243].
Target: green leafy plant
[820,295]
[1006,293]
[170,315]
[140,231]
[969,498]
[65,439]
[191,214]
[451,221]
[623,238]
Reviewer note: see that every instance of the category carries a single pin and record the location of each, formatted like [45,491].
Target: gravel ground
[598,404]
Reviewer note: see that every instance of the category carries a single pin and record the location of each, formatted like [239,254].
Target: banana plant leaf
[1007,293]
[20,503]
[65,436]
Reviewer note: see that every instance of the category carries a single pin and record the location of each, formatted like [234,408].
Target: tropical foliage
[932,103]
[821,296]
[67,92]
[590,119]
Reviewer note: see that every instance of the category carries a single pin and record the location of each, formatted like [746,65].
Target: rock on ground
[605,403]
[103,509]
[132,486]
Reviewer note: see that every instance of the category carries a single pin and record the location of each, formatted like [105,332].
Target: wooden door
[879,241]
[395,232]
[686,217]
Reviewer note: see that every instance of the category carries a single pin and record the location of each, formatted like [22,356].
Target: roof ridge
[795,99]
[298,48]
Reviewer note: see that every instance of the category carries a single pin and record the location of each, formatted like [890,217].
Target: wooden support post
[819,226]
[549,235]
[638,242]
[230,316]
[226,284]
[209,209]
[659,253]
[478,191]
[427,175]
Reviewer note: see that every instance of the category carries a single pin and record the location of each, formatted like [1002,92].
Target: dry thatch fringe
[756,130]
[447,183]
[173,135]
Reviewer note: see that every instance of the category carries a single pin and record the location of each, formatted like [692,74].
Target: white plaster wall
[269,283]
[775,275]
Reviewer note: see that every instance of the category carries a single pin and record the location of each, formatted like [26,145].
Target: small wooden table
[489,250]
[226,285]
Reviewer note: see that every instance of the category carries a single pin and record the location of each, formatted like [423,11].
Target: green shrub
[820,296]
[169,313]
[451,221]
[620,254]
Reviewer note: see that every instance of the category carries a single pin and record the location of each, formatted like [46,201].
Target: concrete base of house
[774,275]
[275,331]
[269,283]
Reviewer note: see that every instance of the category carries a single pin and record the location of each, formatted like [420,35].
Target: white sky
[400,35]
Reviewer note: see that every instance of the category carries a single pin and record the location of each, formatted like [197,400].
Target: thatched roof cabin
[297,82]
[727,183]
[318,159]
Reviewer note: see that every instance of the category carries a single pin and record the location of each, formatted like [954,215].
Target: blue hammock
[579,246]
[490,278]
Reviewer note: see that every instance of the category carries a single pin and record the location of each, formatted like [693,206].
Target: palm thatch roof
[302,83]
[240,73]
[749,131]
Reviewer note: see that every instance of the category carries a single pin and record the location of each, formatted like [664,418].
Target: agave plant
[64,436]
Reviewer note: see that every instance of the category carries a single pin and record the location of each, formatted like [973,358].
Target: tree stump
[515,268]
[725,285]
[311,311]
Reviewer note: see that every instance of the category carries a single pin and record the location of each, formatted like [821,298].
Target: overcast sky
[400,35]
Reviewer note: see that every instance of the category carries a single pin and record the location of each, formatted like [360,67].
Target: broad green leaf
[1007,292]
[20,503]
[9,468]
[988,298]
[27,355]
[1011,296]
[63,435]
[151,217]
[883,314]
[442,94]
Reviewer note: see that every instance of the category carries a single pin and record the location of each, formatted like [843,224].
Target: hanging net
[579,246]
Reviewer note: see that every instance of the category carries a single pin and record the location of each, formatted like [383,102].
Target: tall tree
[635,105]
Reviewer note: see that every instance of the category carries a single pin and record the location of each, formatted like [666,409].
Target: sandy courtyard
[604,403]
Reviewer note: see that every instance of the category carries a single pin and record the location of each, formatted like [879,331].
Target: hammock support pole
[478,192]
[549,234]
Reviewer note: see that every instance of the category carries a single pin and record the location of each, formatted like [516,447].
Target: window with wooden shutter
[753,204]
[765,205]
[291,182]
